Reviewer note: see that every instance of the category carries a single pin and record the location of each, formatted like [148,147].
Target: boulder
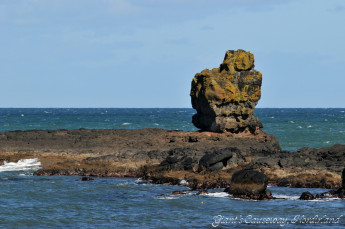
[307,196]
[219,159]
[248,182]
[225,97]
[85,179]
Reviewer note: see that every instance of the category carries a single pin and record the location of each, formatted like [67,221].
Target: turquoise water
[63,202]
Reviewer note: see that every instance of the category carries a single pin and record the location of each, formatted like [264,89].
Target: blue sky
[135,53]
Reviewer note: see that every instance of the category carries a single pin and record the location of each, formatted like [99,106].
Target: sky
[145,53]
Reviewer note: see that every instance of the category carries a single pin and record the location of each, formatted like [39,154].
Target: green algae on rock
[225,97]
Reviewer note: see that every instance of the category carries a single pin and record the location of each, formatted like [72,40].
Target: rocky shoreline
[203,159]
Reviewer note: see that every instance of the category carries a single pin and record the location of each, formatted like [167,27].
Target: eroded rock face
[225,97]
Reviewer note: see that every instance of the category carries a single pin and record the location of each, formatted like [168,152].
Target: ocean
[63,202]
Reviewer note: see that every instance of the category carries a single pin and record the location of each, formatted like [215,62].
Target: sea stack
[225,97]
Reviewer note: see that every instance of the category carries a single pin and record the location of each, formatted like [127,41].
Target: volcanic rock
[248,182]
[307,196]
[225,97]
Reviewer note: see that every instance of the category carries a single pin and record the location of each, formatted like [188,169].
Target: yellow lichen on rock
[244,61]
[225,97]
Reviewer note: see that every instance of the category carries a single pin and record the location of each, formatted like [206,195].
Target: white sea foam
[327,142]
[141,181]
[218,194]
[23,164]
[300,127]
[291,122]
[22,115]
[342,111]
[156,124]
[297,198]
[126,123]
[310,126]
[286,197]
[164,197]
[183,182]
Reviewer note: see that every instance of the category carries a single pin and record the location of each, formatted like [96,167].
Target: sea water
[63,202]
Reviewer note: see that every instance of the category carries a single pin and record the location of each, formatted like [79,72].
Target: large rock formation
[225,97]
[250,184]
[248,181]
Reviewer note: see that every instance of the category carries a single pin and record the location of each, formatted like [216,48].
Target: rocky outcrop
[225,97]
[204,159]
[305,168]
[337,193]
[306,196]
[249,184]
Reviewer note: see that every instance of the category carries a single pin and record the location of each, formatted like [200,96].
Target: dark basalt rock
[225,97]
[249,184]
[216,160]
[307,196]
[85,179]
[337,193]
[178,193]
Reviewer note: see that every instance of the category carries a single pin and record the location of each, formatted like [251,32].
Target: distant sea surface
[62,202]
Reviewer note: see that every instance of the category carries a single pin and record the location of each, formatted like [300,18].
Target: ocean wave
[21,165]
[218,194]
[286,197]
[164,197]
[126,123]
[183,182]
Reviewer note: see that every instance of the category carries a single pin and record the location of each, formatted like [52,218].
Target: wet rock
[227,189]
[85,179]
[335,193]
[178,193]
[249,184]
[268,194]
[225,97]
[307,196]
